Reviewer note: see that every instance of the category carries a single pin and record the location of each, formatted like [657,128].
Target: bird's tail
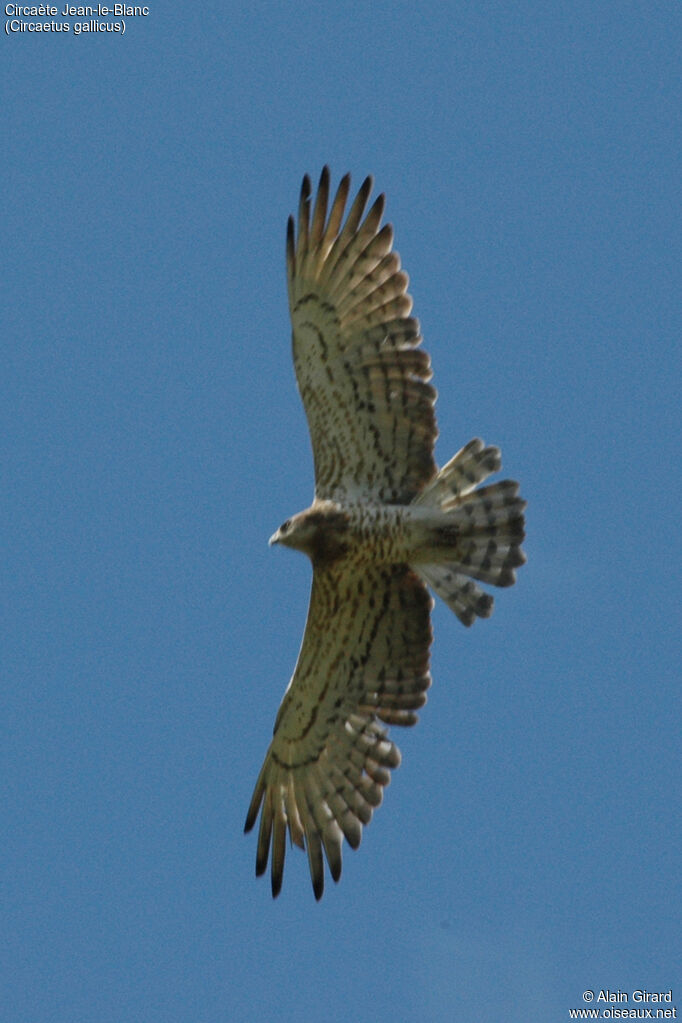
[477,533]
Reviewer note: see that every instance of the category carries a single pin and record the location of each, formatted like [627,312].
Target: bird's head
[297,532]
[320,532]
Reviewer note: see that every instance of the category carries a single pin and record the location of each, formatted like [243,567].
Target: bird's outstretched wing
[362,377]
[364,656]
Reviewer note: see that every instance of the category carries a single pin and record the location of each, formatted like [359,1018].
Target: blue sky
[151,440]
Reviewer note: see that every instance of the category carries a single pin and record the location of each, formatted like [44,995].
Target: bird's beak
[273,539]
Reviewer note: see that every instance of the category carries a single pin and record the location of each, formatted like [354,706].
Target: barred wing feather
[364,656]
[363,379]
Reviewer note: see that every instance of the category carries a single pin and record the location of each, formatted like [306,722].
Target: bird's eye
[285,526]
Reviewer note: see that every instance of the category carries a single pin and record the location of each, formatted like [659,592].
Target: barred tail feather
[477,533]
[465,470]
[461,594]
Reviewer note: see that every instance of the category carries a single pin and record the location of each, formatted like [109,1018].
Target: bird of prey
[384,525]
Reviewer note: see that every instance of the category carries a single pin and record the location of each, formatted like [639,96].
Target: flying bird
[384,526]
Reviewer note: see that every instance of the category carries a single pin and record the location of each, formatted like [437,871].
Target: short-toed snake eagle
[385,523]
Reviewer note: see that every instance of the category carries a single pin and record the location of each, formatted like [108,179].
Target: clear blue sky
[152,439]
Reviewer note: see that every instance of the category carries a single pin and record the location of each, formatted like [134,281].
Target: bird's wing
[362,377]
[364,656]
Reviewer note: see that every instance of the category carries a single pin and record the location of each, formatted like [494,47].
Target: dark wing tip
[256,800]
[379,205]
[291,244]
[251,816]
[366,186]
[362,197]
[320,211]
